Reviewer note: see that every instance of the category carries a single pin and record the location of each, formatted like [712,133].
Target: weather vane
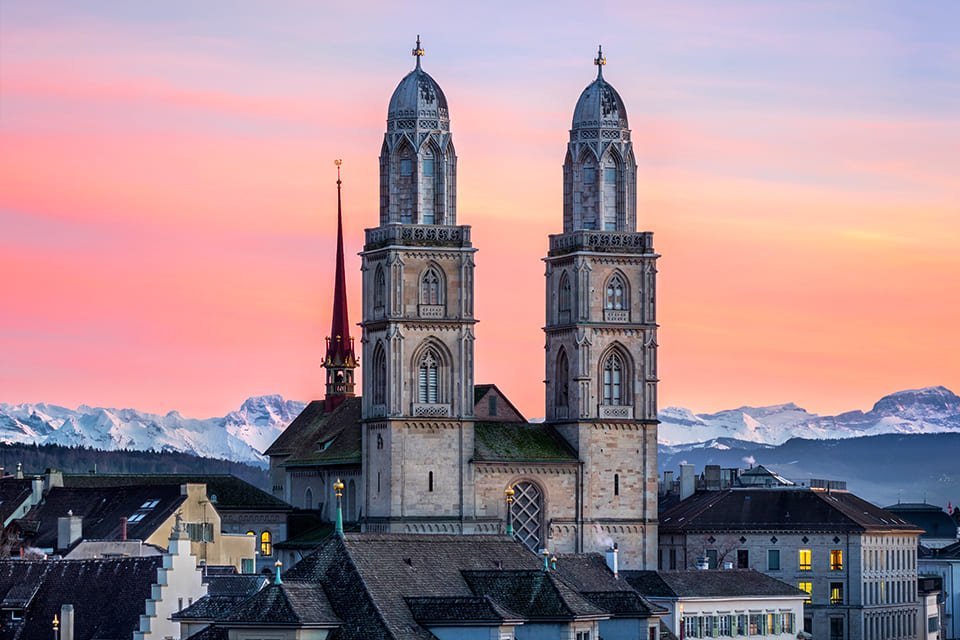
[418,50]
[338,162]
[600,60]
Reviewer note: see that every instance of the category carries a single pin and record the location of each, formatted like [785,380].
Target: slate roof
[932,519]
[534,594]
[232,493]
[290,604]
[779,509]
[209,608]
[520,442]
[101,510]
[118,585]
[740,583]
[234,585]
[479,393]
[319,439]
[13,493]
[589,574]
[460,610]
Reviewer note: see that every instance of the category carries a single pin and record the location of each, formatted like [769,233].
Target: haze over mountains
[244,434]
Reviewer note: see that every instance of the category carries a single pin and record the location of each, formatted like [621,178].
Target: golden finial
[338,488]
[338,162]
[56,622]
[600,60]
[418,51]
[509,492]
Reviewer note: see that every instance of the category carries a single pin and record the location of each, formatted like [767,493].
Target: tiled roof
[101,510]
[520,442]
[13,493]
[325,439]
[533,593]
[232,493]
[288,604]
[297,434]
[932,519]
[457,610]
[589,574]
[120,586]
[714,583]
[308,539]
[209,608]
[212,632]
[234,585]
[779,509]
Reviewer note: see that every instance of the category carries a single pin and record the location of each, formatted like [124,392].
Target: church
[424,449]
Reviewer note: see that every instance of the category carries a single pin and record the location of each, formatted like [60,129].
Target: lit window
[836,593]
[266,544]
[806,559]
[808,587]
[836,560]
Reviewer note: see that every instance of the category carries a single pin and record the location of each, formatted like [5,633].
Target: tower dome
[418,164]
[600,106]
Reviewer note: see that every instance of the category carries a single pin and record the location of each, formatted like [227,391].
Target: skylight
[143,511]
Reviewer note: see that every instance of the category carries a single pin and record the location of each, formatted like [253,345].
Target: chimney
[69,530]
[613,560]
[66,622]
[688,481]
[123,528]
[36,491]
[54,478]
[667,483]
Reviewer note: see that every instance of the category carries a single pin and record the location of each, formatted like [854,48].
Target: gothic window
[379,289]
[610,195]
[562,382]
[431,287]
[526,513]
[613,376]
[308,498]
[406,167]
[427,215]
[406,190]
[589,174]
[428,378]
[564,298]
[379,376]
[616,293]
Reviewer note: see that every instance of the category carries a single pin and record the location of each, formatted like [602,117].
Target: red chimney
[123,528]
[340,360]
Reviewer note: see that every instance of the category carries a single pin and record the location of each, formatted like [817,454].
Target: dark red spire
[341,359]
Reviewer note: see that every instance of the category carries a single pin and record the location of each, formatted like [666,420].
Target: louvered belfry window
[527,514]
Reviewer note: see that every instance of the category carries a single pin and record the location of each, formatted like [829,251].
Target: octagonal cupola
[600,171]
[417,160]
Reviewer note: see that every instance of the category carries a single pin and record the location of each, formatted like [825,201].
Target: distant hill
[36,458]
[883,469]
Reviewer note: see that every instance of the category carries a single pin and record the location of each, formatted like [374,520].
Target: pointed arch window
[562,384]
[428,378]
[610,199]
[613,376]
[526,513]
[616,293]
[379,376]
[431,287]
[308,498]
[379,290]
[564,297]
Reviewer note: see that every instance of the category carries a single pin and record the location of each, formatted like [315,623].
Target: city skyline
[168,196]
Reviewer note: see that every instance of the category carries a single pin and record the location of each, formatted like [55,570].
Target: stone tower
[601,349]
[418,325]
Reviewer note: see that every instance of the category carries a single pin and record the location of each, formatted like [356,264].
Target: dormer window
[143,511]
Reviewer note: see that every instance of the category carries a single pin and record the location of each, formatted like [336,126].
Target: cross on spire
[418,51]
[600,61]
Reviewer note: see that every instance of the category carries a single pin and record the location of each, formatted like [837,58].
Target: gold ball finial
[509,492]
[56,621]
[338,488]
[338,162]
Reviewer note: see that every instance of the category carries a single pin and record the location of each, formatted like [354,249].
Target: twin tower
[424,466]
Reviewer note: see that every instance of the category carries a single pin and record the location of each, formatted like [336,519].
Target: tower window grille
[613,380]
[526,514]
[428,379]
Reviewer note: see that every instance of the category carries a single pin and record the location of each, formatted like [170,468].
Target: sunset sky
[168,197]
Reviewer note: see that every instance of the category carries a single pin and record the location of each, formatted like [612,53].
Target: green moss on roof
[520,442]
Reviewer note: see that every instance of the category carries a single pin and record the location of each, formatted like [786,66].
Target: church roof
[419,97]
[316,437]
[600,105]
[520,442]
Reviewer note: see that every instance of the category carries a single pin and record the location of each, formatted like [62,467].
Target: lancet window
[428,378]
[526,513]
[431,289]
[613,376]
[616,293]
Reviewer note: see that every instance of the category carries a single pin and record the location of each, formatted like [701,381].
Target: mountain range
[243,435]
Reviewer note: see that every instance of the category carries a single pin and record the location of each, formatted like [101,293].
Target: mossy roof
[520,442]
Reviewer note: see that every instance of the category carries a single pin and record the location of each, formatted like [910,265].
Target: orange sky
[167,196]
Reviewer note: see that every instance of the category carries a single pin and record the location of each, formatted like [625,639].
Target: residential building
[930,624]
[945,564]
[857,561]
[723,603]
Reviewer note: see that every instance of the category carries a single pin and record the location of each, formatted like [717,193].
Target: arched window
[379,376]
[431,287]
[613,376]
[526,514]
[562,385]
[266,544]
[610,194]
[379,289]
[428,378]
[616,293]
[308,498]
[564,297]
[427,188]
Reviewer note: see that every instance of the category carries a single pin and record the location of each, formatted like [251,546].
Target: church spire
[340,360]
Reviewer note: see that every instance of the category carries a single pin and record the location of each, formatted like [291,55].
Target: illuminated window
[808,587]
[836,560]
[806,560]
[836,593]
[251,533]
[266,544]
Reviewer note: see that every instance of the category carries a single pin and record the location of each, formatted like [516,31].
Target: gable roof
[101,509]
[322,439]
[520,442]
[231,493]
[460,610]
[779,509]
[289,604]
[118,585]
[13,493]
[480,410]
[726,583]
[534,594]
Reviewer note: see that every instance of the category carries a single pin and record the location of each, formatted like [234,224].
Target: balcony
[601,241]
[417,235]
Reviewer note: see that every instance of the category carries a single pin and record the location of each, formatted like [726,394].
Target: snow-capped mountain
[241,435]
[927,410]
